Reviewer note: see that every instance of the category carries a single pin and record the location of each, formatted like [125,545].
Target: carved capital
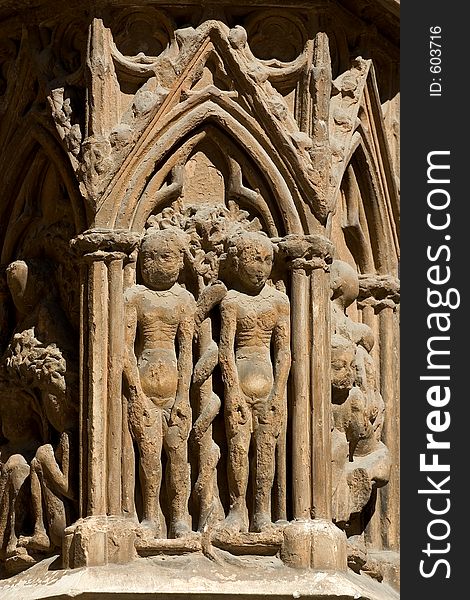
[105,244]
[379,291]
[306,252]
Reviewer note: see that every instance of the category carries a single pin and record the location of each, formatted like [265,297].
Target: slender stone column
[307,257]
[88,542]
[321,395]
[379,298]
[300,405]
[311,540]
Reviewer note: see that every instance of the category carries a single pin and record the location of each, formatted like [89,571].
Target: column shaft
[321,395]
[300,404]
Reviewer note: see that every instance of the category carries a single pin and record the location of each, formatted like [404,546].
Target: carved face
[161,261]
[360,427]
[255,263]
[342,367]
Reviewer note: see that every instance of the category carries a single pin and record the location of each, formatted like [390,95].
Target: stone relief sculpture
[159,317]
[206,227]
[39,384]
[255,325]
[186,376]
[361,460]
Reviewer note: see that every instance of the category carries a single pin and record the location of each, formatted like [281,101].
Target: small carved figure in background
[38,411]
[361,459]
[21,430]
[255,326]
[158,368]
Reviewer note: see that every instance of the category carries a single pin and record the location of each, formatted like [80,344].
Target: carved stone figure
[361,460]
[255,325]
[160,320]
[182,386]
[20,430]
[39,415]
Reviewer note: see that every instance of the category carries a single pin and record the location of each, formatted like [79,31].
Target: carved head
[344,283]
[162,257]
[343,365]
[28,282]
[360,425]
[251,255]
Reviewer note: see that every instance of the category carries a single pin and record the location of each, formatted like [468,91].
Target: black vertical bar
[435,129]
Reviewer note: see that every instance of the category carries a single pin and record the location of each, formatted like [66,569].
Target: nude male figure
[255,325]
[160,321]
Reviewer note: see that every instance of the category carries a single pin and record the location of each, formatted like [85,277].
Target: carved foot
[236,521]
[38,541]
[262,522]
[152,528]
[180,528]
[18,560]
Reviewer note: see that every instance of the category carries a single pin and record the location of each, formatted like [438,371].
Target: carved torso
[159,314]
[256,319]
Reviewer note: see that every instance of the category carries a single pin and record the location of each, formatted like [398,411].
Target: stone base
[194,577]
[98,541]
[387,565]
[315,544]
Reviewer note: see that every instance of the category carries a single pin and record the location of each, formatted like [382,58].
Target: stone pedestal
[97,541]
[194,578]
[316,544]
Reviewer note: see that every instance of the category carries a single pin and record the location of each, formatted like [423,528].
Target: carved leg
[56,515]
[39,540]
[239,436]
[14,474]
[178,478]
[146,427]
[264,468]
[175,439]
[49,484]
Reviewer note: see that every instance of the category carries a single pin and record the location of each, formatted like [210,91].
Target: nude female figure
[255,326]
[160,320]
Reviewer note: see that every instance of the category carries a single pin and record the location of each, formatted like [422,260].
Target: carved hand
[236,408]
[180,411]
[271,411]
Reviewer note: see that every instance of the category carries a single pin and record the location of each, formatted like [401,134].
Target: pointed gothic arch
[121,206]
[38,158]
[366,196]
